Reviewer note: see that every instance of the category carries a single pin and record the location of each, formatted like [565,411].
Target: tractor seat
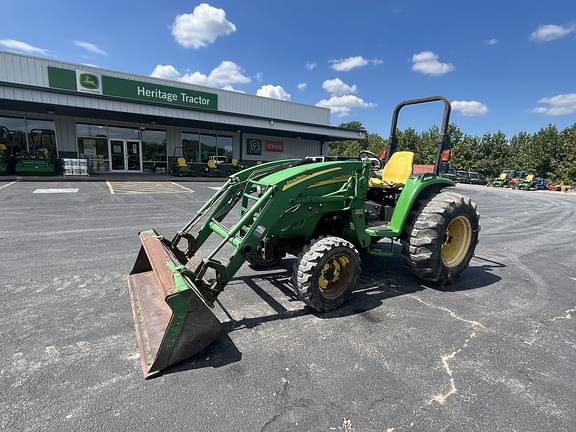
[181,162]
[396,172]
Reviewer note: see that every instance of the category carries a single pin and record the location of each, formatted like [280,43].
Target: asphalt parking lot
[494,352]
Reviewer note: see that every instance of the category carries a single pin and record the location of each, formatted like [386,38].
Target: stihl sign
[275,146]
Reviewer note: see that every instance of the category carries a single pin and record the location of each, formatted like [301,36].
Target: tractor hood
[309,172]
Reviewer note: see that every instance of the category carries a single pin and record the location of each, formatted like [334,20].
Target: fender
[415,187]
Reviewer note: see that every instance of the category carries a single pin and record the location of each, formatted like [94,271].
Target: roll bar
[444,142]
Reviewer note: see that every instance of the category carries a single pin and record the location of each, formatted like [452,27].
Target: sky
[505,65]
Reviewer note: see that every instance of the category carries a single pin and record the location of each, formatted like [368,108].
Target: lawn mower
[6,157]
[42,159]
[182,167]
[527,183]
[517,178]
[327,214]
[504,178]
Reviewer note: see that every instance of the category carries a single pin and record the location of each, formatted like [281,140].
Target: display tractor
[525,184]
[327,214]
[5,151]
[504,178]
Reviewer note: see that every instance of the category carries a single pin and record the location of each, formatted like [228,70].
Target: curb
[121,178]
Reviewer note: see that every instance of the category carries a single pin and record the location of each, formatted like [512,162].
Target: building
[129,123]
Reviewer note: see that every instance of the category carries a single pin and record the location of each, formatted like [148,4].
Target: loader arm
[172,291]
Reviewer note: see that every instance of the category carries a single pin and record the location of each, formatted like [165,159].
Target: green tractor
[327,214]
[42,159]
[503,179]
[528,183]
[5,152]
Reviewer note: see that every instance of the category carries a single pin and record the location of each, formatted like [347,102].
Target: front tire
[326,272]
[440,237]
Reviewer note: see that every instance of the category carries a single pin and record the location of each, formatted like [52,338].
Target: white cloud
[492,41]
[165,72]
[223,76]
[426,62]
[301,86]
[227,73]
[376,61]
[201,27]
[337,87]
[259,76]
[88,46]
[550,32]
[230,88]
[561,104]
[21,46]
[311,65]
[342,105]
[349,63]
[469,108]
[274,92]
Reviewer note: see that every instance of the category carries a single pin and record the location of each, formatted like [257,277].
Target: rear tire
[326,272]
[440,237]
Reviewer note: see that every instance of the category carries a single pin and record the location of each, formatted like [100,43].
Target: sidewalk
[112,177]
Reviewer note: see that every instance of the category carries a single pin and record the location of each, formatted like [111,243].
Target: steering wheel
[371,156]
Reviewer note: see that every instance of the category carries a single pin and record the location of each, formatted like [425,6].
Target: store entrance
[125,155]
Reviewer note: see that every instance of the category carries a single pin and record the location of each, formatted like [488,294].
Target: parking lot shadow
[219,353]
[377,283]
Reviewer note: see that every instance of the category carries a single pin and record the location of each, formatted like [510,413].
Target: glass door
[133,155]
[125,155]
[117,155]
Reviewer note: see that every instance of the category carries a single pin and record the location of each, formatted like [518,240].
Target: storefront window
[93,145]
[190,147]
[123,133]
[30,137]
[17,135]
[225,147]
[200,147]
[207,147]
[154,151]
[41,138]
[88,130]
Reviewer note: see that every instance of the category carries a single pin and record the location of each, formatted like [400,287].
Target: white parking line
[8,184]
[55,191]
[133,188]
[183,187]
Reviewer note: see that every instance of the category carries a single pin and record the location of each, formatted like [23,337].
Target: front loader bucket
[172,320]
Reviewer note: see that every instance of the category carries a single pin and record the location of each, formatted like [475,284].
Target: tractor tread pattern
[423,235]
[308,260]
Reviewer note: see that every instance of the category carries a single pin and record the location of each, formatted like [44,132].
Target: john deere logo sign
[145,91]
[88,82]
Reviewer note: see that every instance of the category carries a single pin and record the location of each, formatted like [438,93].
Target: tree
[548,153]
[343,148]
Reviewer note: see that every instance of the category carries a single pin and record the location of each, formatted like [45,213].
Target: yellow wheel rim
[335,276]
[457,242]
